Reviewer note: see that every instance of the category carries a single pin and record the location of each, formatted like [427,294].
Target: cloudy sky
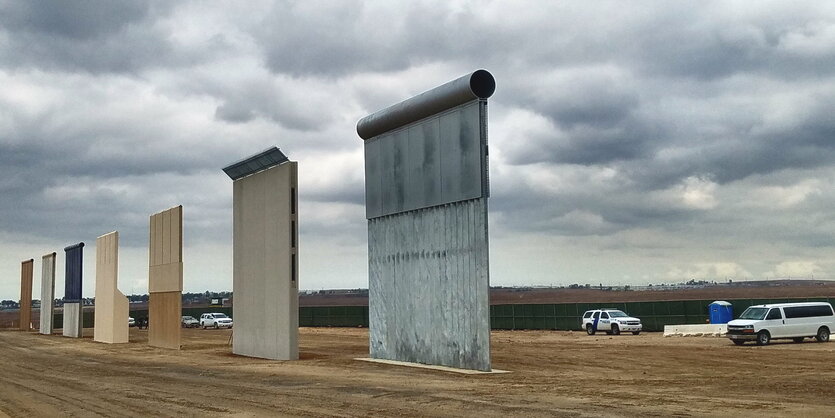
[630,143]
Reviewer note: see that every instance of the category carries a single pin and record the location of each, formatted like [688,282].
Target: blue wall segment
[72,273]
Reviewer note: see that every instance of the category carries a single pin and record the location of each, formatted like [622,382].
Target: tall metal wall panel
[72,272]
[47,292]
[74,255]
[429,284]
[426,204]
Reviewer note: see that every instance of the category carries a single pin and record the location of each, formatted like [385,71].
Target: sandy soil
[553,373]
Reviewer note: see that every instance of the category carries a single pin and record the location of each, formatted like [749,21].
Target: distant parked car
[763,323]
[613,321]
[131,322]
[189,322]
[215,320]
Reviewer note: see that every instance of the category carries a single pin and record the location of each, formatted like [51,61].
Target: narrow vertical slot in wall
[293,268]
[292,200]
[292,234]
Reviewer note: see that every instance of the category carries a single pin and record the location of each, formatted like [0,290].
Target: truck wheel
[798,340]
[615,329]
[636,332]
[217,326]
[738,342]
[589,329]
[763,338]
[204,325]
[823,335]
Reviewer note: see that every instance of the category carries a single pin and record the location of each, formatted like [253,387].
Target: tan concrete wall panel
[164,313]
[165,281]
[47,293]
[26,272]
[166,277]
[111,314]
[266,310]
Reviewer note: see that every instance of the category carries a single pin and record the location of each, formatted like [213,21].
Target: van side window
[587,314]
[774,313]
[596,315]
[604,315]
[808,311]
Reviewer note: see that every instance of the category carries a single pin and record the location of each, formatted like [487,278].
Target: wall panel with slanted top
[265,263]
[111,316]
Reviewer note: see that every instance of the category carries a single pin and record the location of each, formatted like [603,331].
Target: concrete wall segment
[25,313]
[165,278]
[47,293]
[265,263]
[111,312]
[72,326]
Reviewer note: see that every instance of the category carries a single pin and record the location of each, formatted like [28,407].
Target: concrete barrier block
[696,330]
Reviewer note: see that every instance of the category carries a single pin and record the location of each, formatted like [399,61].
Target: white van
[763,323]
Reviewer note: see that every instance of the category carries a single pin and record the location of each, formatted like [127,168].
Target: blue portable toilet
[721,312]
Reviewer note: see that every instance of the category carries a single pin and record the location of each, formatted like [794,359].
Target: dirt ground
[553,373]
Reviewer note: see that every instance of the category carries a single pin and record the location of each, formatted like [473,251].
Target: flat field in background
[553,373]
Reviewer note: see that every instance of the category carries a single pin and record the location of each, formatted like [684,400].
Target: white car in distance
[215,320]
[613,321]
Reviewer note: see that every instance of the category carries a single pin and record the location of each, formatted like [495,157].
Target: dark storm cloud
[93,35]
[77,20]
[357,36]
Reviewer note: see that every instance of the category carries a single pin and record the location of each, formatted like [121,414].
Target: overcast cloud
[653,142]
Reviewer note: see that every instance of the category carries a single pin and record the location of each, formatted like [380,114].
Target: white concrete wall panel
[429,284]
[165,282]
[111,314]
[72,320]
[47,293]
[265,264]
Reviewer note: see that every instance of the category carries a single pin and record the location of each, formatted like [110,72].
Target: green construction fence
[548,316]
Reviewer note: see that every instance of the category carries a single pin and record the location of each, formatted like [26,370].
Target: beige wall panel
[26,272]
[266,306]
[164,313]
[47,293]
[166,277]
[165,281]
[111,314]
[175,237]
